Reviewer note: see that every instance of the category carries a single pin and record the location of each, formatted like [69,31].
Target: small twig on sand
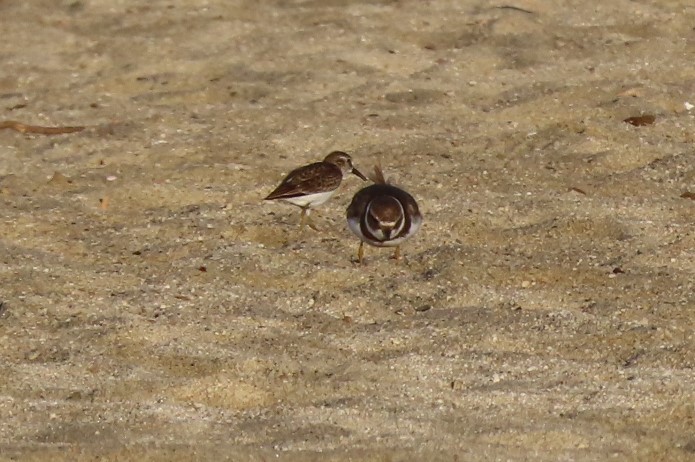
[24,128]
[514,8]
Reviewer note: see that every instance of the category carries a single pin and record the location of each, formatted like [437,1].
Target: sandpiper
[383,215]
[311,185]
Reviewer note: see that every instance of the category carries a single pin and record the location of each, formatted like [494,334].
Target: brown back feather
[312,178]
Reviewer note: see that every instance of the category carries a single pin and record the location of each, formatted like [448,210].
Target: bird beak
[359,174]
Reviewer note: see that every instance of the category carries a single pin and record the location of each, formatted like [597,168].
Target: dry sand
[156,309]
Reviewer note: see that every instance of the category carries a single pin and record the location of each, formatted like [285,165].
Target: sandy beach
[155,308]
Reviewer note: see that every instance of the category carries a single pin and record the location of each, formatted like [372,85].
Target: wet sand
[156,309]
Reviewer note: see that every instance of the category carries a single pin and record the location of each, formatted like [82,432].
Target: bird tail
[378,176]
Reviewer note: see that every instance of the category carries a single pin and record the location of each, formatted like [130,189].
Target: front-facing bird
[383,215]
[311,185]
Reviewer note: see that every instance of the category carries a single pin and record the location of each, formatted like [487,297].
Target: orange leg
[360,252]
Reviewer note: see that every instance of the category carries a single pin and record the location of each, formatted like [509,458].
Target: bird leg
[310,222]
[360,252]
[302,221]
[306,220]
[397,253]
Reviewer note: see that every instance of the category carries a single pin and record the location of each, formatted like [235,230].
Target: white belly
[310,200]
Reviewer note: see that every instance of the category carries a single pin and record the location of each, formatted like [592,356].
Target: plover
[383,215]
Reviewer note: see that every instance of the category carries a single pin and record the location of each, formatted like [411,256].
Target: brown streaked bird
[383,215]
[311,185]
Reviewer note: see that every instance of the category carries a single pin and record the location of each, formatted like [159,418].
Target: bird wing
[313,178]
